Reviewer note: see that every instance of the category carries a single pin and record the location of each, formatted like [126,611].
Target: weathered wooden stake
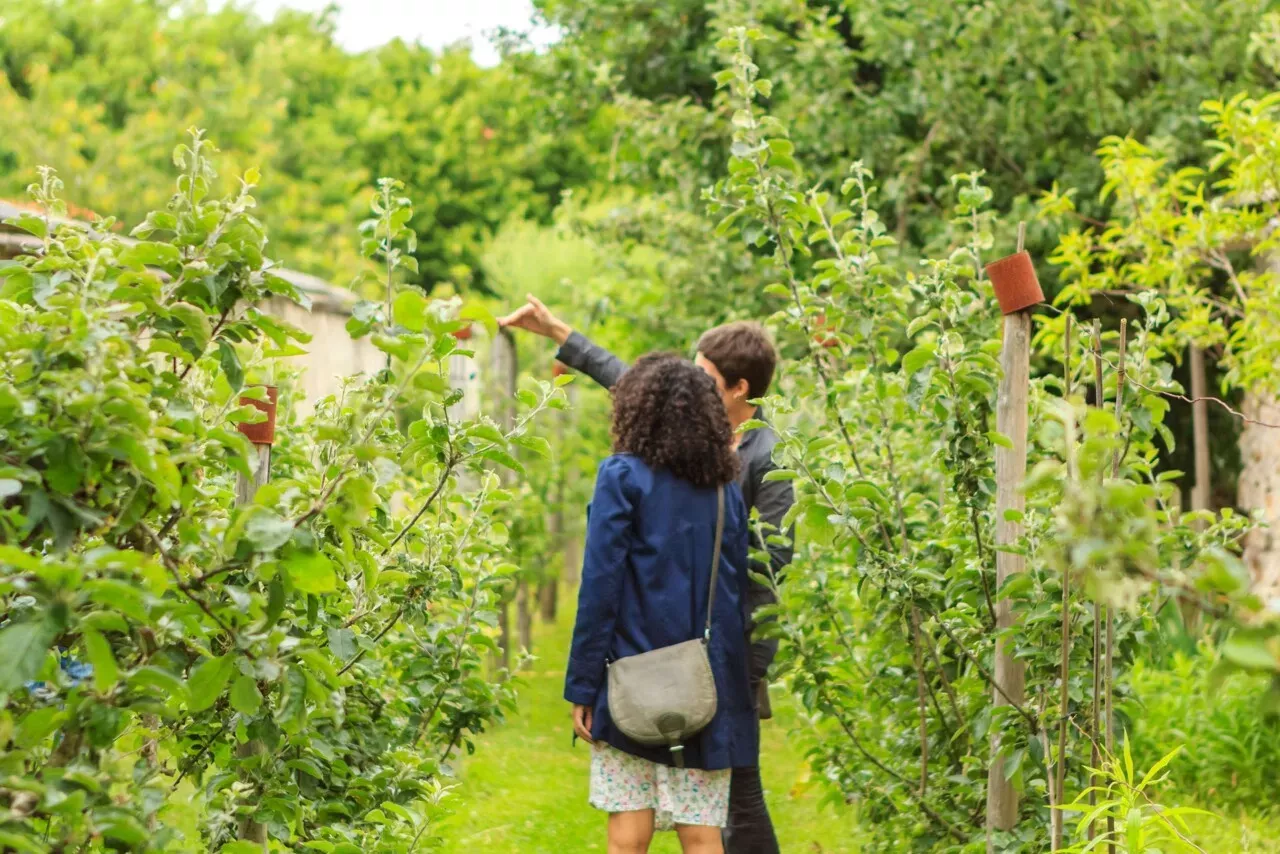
[1100,397]
[1121,375]
[548,595]
[262,435]
[1056,796]
[1017,289]
[1202,491]
[506,370]
[1011,469]
[1200,428]
[572,559]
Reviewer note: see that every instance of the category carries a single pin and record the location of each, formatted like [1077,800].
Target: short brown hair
[668,413]
[741,351]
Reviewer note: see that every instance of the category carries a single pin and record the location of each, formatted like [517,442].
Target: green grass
[525,789]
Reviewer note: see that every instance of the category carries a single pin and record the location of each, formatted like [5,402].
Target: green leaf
[230,363]
[480,312]
[29,223]
[342,643]
[1249,653]
[865,489]
[312,572]
[36,726]
[245,697]
[917,359]
[779,474]
[501,457]
[24,645]
[207,681]
[409,309]
[1000,439]
[105,670]
[267,531]
[430,381]
[535,444]
[238,847]
[163,255]
[195,322]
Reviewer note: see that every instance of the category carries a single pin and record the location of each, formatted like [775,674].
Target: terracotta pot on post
[1018,291]
[822,337]
[559,369]
[263,432]
[463,334]
[1014,278]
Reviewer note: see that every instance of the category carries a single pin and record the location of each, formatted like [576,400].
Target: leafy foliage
[888,432]
[100,89]
[308,660]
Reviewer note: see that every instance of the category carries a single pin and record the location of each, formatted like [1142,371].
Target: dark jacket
[771,499]
[646,576]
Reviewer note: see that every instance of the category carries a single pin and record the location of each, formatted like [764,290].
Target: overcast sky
[364,24]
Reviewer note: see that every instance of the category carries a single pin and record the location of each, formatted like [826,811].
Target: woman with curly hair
[645,584]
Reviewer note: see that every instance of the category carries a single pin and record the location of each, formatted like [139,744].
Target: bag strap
[715,560]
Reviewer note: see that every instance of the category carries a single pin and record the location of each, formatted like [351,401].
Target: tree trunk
[548,600]
[524,616]
[502,660]
[1260,490]
[1011,469]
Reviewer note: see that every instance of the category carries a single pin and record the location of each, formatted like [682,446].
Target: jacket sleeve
[591,359]
[773,499]
[737,549]
[604,564]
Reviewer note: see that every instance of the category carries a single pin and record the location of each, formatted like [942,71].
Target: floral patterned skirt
[621,782]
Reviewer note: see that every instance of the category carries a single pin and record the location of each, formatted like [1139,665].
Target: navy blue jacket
[646,575]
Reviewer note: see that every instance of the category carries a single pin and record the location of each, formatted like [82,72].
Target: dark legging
[750,831]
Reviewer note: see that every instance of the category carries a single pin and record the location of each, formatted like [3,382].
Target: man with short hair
[741,359]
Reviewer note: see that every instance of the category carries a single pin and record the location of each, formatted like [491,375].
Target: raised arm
[581,354]
[604,564]
[575,350]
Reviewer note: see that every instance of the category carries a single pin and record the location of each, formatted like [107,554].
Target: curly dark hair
[668,412]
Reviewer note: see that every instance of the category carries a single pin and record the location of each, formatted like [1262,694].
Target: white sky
[364,24]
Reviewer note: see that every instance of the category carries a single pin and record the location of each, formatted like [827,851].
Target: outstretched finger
[516,317]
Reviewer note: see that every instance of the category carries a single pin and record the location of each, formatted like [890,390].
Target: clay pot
[821,337]
[264,432]
[559,369]
[1014,278]
[463,334]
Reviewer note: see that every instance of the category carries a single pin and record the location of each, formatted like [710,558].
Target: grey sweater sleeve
[591,359]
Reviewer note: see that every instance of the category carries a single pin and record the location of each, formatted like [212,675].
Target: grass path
[525,789]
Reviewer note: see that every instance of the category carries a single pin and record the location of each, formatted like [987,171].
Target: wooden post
[1018,290]
[548,596]
[1059,781]
[1011,469]
[262,435]
[507,373]
[1100,397]
[1200,428]
[1203,488]
[1121,375]
[572,560]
